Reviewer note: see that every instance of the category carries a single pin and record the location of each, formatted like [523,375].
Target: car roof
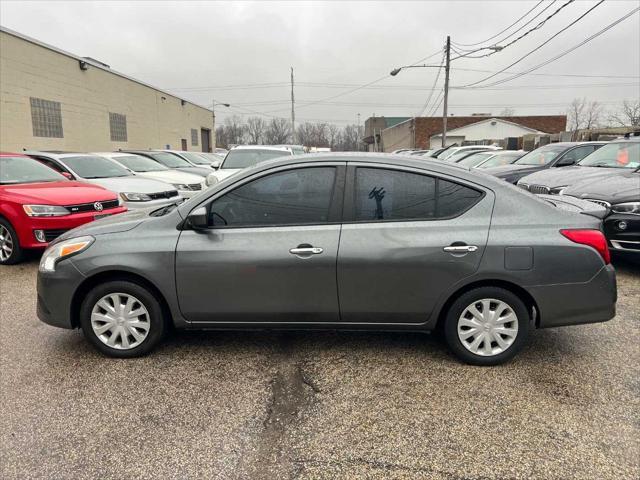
[262,147]
[57,155]
[9,154]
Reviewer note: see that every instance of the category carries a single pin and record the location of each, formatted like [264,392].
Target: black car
[553,155]
[609,160]
[621,194]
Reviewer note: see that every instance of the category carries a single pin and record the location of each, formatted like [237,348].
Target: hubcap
[487,327]
[120,321]
[6,244]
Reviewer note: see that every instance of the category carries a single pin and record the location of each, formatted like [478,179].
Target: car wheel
[487,326]
[10,250]
[122,319]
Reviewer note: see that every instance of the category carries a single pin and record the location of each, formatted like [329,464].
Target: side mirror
[67,175]
[215,164]
[565,162]
[197,219]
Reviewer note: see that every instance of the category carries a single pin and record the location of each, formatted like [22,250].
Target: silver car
[134,191]
[335,241]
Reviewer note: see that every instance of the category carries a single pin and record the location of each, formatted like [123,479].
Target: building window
[194,137]
[118,127]
[46,118]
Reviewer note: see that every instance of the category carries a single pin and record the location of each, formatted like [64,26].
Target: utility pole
[446,93]
[358,134]
[214,138]
[293,112]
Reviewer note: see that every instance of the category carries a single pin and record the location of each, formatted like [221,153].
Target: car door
[407,238]
[269,254]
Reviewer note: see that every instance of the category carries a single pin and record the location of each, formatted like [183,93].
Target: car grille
[158,196]
[51,235]
[539,189]
[599,202]
[91,207]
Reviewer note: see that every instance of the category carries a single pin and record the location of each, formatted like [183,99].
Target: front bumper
[575,303]
[625,239]
[55,294]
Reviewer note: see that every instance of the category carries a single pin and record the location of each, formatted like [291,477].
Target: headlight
[45,210]
[211,179]
[628,207]
[135,197]
[180,186]
[557,190]
[61,250]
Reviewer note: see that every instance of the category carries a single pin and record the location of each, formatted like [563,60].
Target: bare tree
[507,112]
[304,134]
[255,130]
[234,130]
[278,131]
[583,114]
[221,137]
[333,133]
[628,114]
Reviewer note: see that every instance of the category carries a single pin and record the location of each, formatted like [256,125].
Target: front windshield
[243,158]
[26,170]
[475,159]
[501,159]
[91,166]
[614,155]
[195,158]
[140,164]
[461,154]
[542,155]
[446,152]
[170,160]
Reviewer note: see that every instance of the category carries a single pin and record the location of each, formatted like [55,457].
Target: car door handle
[306,251]
[460,248]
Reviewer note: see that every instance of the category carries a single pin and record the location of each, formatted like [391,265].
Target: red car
[37,204]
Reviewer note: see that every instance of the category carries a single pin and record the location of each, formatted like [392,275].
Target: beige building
[54,100]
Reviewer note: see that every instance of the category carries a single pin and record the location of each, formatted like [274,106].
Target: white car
[453,150]
[244,156]
[134,191]
[194,158]
[187,184]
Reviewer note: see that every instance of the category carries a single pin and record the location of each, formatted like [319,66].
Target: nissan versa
[337,241]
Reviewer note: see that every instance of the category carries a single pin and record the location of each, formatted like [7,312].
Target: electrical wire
[424,107]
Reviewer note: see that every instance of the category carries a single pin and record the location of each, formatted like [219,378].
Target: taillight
[593,238]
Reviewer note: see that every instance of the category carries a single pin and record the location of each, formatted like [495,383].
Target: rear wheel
[122,319]
[10,250]
[487,326]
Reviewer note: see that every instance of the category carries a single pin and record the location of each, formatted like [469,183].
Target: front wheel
[122,319]
[10,250]
[486,326]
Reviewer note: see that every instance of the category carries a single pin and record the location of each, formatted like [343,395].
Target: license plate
[98,217]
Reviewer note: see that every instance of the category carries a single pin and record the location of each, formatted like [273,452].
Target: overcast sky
[228,51]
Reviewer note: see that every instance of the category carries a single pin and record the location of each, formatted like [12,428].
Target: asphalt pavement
[231,405]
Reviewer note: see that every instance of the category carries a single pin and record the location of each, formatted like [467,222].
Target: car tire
[9,240]
[122,319]
[487,326]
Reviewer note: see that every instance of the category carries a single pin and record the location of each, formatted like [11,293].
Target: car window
[541,155]
[243,158]
[140,164]
[294,197]
[91,166]
[475,159]
[195,158]
[501,159]
[169,160]
[383,194]
[615,155]
[26,170]
[576,155]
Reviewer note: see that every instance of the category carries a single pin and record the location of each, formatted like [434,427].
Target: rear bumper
[576,303]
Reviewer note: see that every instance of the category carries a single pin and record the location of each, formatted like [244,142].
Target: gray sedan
[335,241]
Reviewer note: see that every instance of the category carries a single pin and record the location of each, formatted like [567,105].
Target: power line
[433,87]
[576,75]
[502,31]
[566,52]
[539,46]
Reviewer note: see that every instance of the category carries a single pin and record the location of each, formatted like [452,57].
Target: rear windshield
[138,163]
[247,158]
[15,170]
[92,166]
[614,155]
[542,155]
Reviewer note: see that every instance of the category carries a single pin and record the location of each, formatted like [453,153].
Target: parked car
[194,158]
[175,163]
[134,191]
[244,156]
[187,184]
[448,154]
[38,204]
[459,155]
[295,149]
[474,159]
[506,157]
[607,160]
[215,158]
[553,155]
[350,241]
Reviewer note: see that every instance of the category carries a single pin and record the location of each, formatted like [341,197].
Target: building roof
[453,131]
[93,62]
